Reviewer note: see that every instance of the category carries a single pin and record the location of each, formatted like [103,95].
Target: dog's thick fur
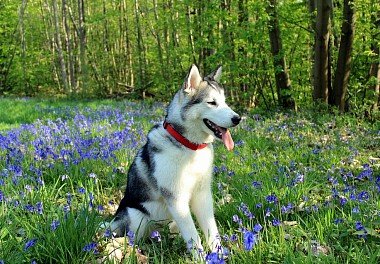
[166,179]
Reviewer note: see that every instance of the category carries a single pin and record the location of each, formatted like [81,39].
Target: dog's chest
[186,170]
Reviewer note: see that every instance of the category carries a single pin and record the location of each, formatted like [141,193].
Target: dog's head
[205,102]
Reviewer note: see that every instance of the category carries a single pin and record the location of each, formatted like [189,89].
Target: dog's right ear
[192,80]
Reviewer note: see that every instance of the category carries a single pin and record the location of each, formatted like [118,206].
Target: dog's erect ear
[192,80]
[215,75]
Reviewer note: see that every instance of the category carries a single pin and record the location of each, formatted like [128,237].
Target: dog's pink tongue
[227,140]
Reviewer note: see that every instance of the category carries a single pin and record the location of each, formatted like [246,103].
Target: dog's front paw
[196,250]
[215,244]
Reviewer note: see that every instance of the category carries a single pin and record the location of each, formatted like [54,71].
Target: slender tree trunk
[242,51]
[58,44]
[82,43]
[228,44]
[140,51]
[343,68]
[321,60]
[23,45]
[312,24]
[69,51]
[281,73]
[374,72]
[158,41]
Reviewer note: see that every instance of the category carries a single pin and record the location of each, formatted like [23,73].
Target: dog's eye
[212,102]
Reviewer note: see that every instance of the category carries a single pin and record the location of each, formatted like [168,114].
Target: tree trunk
[374,72]
[82,43]
[343,68]
[312,24]
[321,60]
[281,73]
[23,44]
[242,51]
[58,44]
[68,41]
[140,50]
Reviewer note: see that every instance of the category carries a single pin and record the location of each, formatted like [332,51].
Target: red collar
[181,139]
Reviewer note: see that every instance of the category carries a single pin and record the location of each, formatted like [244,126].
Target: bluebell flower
[257,228]
[287,208]
[131,237]
[272,198]
[359,226]
[366,173]
[256,184]
[338,221]
[343,201]
[91,247]
[276,222]
[92,175]
[156,235]
[30,243]
[66,208]
[363,196]
[107,233]
[214,258]
[54,225]
[235,218]
[250,239]
[2,196]
[355,210]
[233,238]
[39,208]
[29,208]
[267,212]
[81,190]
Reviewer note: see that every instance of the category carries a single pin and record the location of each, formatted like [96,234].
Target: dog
[170,176]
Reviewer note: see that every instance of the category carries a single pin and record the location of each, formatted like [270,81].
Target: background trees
[142,48]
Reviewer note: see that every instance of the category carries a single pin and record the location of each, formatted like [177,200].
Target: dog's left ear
[192,80]
[215,75]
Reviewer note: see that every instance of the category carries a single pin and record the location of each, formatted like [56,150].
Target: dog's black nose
[236,120]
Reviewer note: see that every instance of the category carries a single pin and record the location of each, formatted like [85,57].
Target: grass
[311,180]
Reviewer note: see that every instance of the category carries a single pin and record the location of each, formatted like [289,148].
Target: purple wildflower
[156,235]
[30,243]
[257,228]
[91,247]
[272,198]
[107,233]
[250,239]
[214,258]
[276,222]
[355,210]
[39,208]
[81,190]
[343,201]
[54,225]
[363,196]
[359,226]
[131,237]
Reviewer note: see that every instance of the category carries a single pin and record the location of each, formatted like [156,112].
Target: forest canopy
[273,52]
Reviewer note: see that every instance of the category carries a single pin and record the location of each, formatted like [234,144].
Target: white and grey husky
[170,176]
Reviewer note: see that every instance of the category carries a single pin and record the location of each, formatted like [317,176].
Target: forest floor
[299,187]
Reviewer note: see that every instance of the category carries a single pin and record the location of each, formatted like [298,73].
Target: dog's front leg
[180,211]
[202,207]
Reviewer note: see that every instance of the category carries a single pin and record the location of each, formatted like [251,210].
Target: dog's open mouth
[221,133]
